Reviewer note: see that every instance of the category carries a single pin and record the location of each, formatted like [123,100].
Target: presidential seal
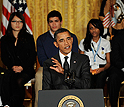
[70,101]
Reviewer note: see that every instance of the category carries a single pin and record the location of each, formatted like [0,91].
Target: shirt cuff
[6,106]
[122,69]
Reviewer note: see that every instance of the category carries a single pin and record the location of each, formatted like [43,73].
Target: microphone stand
[69,80]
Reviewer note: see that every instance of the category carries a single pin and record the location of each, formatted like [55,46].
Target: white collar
[63,59]
[51,33]
[95,42]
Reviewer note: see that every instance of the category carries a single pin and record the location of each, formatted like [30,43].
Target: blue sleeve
[41,52]
[75,43]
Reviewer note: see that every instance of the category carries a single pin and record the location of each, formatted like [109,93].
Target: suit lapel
[58,58]
[73,62]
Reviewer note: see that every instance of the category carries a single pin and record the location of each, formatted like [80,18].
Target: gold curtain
[75,14]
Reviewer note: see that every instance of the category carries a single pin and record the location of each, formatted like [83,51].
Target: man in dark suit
[116,75]
[45,46]
[56,75]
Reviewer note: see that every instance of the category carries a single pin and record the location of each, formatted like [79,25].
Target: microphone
[73,75]
[71,80]
[66,75]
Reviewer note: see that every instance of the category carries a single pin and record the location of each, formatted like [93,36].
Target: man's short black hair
[60,31]
[54,13]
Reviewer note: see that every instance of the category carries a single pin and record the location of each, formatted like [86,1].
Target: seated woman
[18,54]
[98,50]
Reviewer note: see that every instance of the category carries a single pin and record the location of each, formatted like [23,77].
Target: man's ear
[72,39]
[55,43]
[48,24]
[61,22]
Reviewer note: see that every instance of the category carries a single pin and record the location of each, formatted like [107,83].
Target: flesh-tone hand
[96,71]
[99,70]
[93,71]
[57,67]
[17,68]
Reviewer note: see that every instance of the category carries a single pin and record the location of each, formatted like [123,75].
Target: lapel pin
[74,62]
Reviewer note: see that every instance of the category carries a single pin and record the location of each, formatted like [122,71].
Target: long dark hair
[97,24]
[9,28]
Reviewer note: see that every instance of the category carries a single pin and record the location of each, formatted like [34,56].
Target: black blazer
[117,53]
[22,55]
[55,80]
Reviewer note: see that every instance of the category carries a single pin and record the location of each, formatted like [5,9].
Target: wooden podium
[71,98]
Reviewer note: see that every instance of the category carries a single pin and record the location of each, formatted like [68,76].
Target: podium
[71,98]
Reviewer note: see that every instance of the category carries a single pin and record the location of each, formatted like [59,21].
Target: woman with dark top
[98,49]
[18,54]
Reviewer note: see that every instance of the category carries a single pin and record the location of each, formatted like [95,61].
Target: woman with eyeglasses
[18,54]
[98,49]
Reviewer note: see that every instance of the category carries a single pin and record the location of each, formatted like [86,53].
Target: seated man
[116,75]
[45,46]
[67,69]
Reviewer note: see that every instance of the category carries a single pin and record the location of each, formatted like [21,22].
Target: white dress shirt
[63,59]
[103,49]
[0,101]
[51,33]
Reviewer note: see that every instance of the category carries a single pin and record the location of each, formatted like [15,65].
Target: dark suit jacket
[46,48]
[55,80]
[117,53]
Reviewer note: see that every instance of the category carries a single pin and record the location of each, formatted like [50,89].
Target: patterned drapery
[75,14]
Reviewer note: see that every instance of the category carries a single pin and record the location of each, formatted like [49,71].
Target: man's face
[64,42]
[54,24]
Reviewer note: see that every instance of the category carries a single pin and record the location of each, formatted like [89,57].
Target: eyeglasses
[14,21]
